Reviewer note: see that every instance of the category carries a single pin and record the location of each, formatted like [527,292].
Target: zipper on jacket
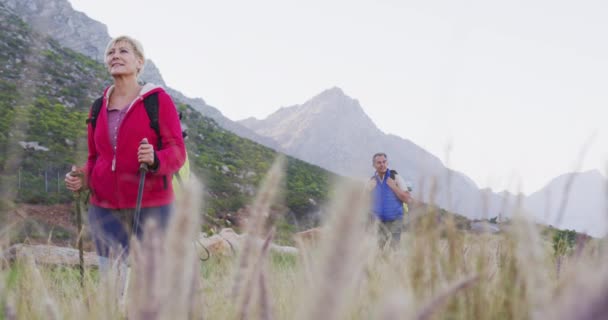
[118,132]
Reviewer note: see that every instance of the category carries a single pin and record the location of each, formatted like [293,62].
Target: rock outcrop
[225,243]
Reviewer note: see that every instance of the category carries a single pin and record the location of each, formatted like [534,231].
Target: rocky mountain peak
[330,113]
[332,93]
[334,100]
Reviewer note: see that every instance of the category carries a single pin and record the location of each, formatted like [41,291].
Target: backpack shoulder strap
[151,106]
[184,133]
[392,174]
[95,109]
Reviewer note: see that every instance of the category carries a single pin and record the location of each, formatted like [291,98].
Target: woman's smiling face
[122,60]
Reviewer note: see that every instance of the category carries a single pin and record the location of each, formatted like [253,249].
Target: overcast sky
[516,88]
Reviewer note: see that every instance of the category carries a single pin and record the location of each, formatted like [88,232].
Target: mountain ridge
[569,196]
[303,131]
[333,131]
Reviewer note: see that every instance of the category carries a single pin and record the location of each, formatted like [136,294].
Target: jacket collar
[387,173]
[146,90]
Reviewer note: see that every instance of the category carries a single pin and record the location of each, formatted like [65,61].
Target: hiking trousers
[390,231]
[111,230]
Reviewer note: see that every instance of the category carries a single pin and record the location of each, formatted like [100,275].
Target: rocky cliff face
[75,30]
[72,29]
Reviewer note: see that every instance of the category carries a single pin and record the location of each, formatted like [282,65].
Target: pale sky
[516,88]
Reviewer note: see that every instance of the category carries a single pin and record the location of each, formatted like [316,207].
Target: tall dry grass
[436,272]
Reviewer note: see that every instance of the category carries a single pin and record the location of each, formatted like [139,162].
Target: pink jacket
[113,177]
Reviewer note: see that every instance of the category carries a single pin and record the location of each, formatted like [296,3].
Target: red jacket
[114,177]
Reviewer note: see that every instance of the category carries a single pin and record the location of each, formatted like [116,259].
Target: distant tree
[563,242]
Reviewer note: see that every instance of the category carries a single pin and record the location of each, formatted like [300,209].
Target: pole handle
[77,174]
[143,167]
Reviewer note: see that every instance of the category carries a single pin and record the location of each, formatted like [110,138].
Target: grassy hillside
[232,167]
[45,94]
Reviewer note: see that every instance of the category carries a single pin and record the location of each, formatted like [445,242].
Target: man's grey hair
[379,154]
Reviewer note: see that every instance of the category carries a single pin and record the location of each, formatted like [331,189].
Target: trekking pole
[143,169]
[77,199]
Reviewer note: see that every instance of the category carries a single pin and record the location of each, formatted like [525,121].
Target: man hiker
[389,193]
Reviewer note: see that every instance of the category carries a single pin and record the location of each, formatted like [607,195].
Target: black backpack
[391,173]
[151,106]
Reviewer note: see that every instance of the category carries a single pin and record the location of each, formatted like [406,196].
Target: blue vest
[386,205]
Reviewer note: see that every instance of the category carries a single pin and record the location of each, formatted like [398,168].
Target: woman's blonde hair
[137,48]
